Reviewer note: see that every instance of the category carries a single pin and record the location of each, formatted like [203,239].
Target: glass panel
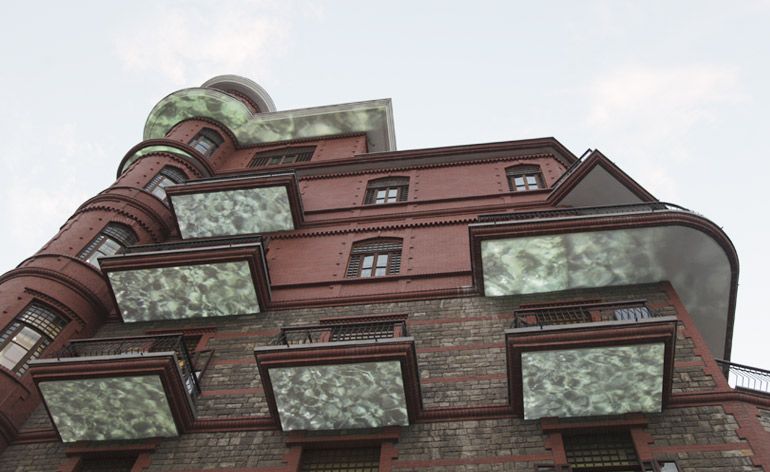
[393,192]
[668,467]
[11,355]
[27,338]
[382,260]
[118,408]
[593,381]
[368,261]
[366,272]
[276,160]
[364,395]
[196,291]
[290,159]
[518,180]
[233,212]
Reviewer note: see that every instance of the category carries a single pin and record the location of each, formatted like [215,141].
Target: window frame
[531,175]
[46,330]
[118,233]
[373,251]
[167,174]
[394,189]
[208,139]
[281,156]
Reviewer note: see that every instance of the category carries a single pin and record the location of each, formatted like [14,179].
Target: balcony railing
[133,346]
[582,313]
[583,211]
[340,332]
[744,377]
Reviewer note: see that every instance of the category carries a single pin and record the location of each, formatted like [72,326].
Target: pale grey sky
[676,93]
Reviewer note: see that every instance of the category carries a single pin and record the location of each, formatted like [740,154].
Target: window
[102,464]
[206,141]
[282,156]
[601,451]
[167,176]
[27,335]
[113,239]
[387,190]
[524,178]
[357,459]
[375,258]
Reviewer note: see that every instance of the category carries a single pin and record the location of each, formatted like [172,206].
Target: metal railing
[650,207]
[339,332]
[582,313]
[136,345]
[745,377]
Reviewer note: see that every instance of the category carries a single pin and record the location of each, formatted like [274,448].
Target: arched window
[167,176]
[375,258]
[206,141]
[28,335]
[524,178]
[113,239]
[288,155]
[387,190]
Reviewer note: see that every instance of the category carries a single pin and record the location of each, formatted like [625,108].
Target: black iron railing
[136,345]
[339,332]
[583,211]
[745,377]
[582,313]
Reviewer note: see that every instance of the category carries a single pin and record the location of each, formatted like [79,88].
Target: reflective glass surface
[109,408]
[593,381]
[233,212]
[196,291]
[364,395]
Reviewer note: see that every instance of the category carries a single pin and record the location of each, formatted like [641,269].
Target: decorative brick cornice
[199,166]
[57,276]
[433,165]
[106,201]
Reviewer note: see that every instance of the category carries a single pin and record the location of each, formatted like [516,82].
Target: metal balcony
[743,377]
[574,313]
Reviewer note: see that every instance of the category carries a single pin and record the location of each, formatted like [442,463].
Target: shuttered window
[288,155]
[206,141]
[358,459]
[388,190]
[601,451]
[375,258]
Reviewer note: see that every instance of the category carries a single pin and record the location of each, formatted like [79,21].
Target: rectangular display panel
[109,408]
[331,397]
[593,381]
[233,212]
[196,291]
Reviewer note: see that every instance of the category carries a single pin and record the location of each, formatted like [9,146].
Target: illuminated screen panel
[593,381]
[233,212]
[109,408]
[557,262]
[364,395]
[196,291]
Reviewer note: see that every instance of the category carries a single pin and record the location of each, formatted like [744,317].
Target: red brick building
[265,290]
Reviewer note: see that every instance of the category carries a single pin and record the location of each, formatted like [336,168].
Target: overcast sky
[676,93]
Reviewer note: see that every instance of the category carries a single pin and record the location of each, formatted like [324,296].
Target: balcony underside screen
[593,381]
[196,291]
[109,408]
[233,212]
[693,262]
[331,397]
